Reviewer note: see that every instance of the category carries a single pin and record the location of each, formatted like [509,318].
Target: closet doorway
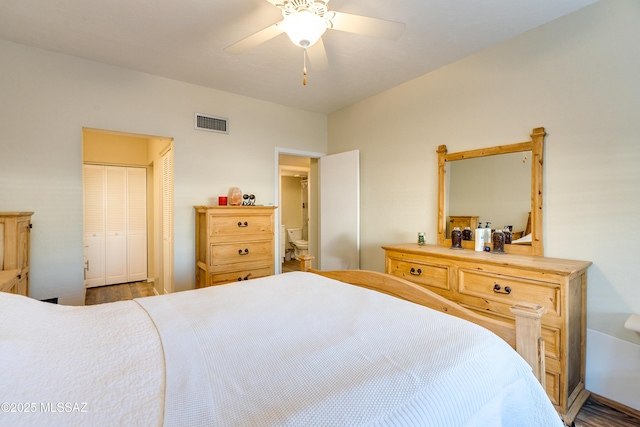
[128,208]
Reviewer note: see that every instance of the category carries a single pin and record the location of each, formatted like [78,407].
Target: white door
[116,225]
[136,224]
[339,194]
[94,216]
[167,222]
[115,233]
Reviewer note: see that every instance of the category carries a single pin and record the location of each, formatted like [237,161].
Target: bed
[297,349]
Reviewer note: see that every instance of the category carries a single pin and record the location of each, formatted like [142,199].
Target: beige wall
[41,160]
[577,77]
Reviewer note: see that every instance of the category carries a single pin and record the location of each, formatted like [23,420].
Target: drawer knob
[243,224]
[498,289]
[415,272]
[240,279]
[246,252]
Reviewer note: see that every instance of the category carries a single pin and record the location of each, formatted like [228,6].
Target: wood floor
[293,265]
[594,413]
[122,292]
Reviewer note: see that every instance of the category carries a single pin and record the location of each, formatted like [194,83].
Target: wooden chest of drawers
[233,243]
[15,233]
[491,283]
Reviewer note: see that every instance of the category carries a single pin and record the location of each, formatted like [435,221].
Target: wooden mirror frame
[536,146]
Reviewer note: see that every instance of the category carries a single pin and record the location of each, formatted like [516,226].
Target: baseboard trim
[616,405]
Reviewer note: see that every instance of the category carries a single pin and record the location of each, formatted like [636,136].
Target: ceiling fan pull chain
[304,67]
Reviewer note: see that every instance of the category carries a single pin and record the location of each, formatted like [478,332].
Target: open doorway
[294,211]
[297,214]
[136,247]
[333,208]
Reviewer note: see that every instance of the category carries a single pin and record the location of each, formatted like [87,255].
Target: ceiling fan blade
[368,26]
[318,56]
[255,39]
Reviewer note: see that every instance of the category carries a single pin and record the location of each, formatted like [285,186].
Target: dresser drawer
[240,227]
[552,387]
[241,252]
[509,290]
[421,273]
[559,285]
[552,335]
[239,276]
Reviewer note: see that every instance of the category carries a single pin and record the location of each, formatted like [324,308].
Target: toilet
[301,247]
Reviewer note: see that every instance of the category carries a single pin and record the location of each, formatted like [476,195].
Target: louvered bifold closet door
[137,224]
[116,221]
[167,221]
[94,225]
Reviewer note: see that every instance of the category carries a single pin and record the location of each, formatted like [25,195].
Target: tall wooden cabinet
[490,283]
[233,243]
[15,233]
[115,224]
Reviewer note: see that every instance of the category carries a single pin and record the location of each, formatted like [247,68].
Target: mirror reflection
[494,189]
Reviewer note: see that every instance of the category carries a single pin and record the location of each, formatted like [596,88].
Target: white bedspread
[301,350]
[78,366]
[289,350]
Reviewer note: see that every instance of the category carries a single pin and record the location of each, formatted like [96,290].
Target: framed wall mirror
[501,185]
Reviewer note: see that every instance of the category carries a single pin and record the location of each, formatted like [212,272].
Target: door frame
[161,144]
[277,219]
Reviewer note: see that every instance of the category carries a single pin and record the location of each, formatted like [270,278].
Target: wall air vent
[212,123]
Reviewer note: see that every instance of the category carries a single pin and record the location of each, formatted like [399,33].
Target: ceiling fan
[305,21]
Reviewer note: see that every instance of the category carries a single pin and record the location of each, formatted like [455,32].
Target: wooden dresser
[490,283]
[15,248]
[233,243]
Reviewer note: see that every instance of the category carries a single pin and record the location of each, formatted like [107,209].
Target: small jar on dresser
[233,243]
[491,283]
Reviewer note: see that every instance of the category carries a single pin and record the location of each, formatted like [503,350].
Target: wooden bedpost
[305,262]
[529,342]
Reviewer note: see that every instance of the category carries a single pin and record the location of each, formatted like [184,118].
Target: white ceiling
[184,40]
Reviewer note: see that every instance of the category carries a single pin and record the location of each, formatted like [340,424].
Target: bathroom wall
[291,202]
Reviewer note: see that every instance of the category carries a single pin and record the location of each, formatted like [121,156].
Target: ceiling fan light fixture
[304,28]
